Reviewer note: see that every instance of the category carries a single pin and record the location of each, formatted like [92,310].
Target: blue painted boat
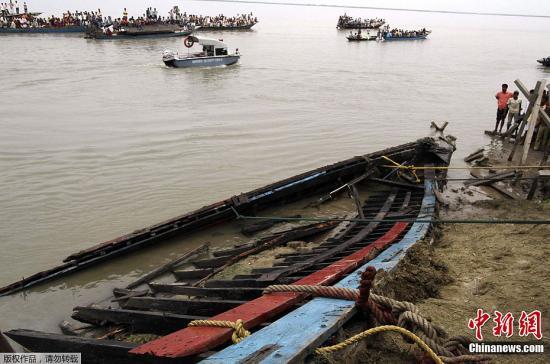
[280,342]
[44,30]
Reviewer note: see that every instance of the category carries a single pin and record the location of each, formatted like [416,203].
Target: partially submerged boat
[141,32]
[544,61]
[389,210]
[214,53]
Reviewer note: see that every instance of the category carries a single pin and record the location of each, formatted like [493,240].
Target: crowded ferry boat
[399,34]
[150,24]
[220,22]
[347,22]
[18,19]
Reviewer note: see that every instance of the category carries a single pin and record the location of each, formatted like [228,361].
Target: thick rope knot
[239,332]
[367,281]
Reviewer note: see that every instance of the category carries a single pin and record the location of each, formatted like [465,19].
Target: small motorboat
[544,61]
[214,53]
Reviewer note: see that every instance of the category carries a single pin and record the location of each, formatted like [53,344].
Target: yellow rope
[239,332]
[400,166]
[375,330]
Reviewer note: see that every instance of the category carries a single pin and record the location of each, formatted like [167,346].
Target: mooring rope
[375,330]
[399,316]
[239,332]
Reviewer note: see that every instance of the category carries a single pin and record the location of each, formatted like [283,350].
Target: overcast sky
[135,7]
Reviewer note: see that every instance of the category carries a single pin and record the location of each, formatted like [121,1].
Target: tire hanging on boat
[188,42]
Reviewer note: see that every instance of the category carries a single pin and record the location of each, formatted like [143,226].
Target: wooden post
[531,121]
[5,346]
[355,196]
[531,99]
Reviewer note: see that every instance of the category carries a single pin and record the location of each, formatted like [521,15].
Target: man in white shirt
[514,108]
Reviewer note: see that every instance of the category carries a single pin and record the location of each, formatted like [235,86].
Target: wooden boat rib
[303,185]
[347,247]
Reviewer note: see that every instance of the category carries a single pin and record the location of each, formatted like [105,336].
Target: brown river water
[98,139]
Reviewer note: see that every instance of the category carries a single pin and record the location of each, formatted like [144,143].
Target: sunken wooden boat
[390,209]
[361,38]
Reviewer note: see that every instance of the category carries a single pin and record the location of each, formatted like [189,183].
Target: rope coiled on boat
[393,315]
[239,331]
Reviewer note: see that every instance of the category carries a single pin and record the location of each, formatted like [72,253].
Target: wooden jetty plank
[202,307]
[151,322]
[194,340]
[92,350]
[168,266]
[490,179]
[226,293]
[280,342]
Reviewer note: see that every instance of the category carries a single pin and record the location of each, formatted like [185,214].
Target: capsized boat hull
[362,39]
[201,62]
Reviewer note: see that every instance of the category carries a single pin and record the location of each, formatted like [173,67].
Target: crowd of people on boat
[347,22]
[28,20]
[509,106]
[219,20]
[386,32]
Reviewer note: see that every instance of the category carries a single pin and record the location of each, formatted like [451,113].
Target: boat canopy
[208,42]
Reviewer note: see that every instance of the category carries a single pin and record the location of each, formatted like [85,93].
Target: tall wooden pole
[532,120]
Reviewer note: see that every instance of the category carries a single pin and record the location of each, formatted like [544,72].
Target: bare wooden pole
[532,120]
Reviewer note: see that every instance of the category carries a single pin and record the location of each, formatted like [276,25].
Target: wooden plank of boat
[226,293]
[142,321]
[201,307]
[92,350]
[360,235]
[397,184]
[272,242]
[287,190]
[280,342]
[168,266]
[233,251]
[194,340]
[192,274]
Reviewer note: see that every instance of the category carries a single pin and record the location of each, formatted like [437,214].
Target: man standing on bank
[502,108]
[514,108]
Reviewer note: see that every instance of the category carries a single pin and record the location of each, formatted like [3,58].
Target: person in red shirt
[502,108]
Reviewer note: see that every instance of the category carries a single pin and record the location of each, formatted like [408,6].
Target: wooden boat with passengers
[30,28]
[544,61]
[389,209]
